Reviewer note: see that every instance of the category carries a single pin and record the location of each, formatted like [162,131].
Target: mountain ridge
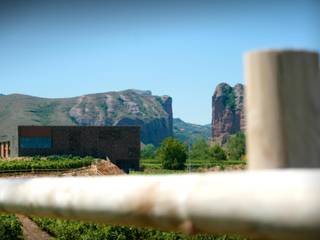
[129,107]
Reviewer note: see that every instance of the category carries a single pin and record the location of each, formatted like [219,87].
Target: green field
[50,163]
[66,229]
[154,166]
[10,228]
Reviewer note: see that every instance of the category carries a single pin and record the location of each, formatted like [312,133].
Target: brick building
[120,144]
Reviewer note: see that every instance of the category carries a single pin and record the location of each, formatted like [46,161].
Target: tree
[236,146]
[217,153]
[172,154]
[148,151]
[200,150]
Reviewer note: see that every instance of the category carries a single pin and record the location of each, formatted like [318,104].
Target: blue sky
[177,48]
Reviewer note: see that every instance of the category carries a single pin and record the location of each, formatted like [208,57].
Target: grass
[50,163]
[10,228]
[155,171]
[67,229]
[153,166]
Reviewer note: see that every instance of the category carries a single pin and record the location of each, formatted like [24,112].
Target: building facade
[120,144]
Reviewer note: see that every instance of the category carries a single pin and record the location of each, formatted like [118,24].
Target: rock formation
[129,107]
[227,111]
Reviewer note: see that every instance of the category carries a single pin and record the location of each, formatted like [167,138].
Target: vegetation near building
[236,146]
[148,151]
[173,154]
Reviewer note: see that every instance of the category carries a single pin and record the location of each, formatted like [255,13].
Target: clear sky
[177,48]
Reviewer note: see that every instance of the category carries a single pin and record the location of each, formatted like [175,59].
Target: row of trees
[173,154]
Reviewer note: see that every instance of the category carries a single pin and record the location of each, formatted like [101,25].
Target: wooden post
[6,150]
[1,150]
[9,150]
[283,109]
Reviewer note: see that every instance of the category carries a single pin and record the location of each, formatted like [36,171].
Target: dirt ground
[31,231]
[101,168]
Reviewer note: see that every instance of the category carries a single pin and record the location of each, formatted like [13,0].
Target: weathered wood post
[1,150]
[283,109]
[5,150]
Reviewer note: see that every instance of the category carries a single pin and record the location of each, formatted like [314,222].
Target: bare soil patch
[31,230]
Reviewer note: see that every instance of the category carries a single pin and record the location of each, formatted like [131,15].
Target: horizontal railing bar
[275,204]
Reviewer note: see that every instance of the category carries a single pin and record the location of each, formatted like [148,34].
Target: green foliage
[236,146]
[148,151]
[172,154]
[200,150]
[153,166]
[217,153]
[10,228]
[65,230]
[229,99]
[53,162]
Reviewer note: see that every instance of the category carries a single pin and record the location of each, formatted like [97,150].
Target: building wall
[120,144]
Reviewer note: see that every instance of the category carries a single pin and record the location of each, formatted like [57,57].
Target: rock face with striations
[130,107]
[227,111]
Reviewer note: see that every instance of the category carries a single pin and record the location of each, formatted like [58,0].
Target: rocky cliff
[227,111]
[130,107]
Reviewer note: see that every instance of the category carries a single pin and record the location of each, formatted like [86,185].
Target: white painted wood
[277,204]
[283,109]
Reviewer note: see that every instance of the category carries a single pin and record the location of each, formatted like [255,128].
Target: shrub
[236,146]
[172,154]
[217,153]
[10,227]
[148,151]
[40,164]
[200,150]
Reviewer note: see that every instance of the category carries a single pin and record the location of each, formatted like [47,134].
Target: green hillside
[188,132]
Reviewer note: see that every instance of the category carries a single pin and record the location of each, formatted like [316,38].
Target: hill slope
[129,107]
[188,132]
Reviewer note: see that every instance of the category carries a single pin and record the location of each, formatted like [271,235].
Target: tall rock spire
[227,111]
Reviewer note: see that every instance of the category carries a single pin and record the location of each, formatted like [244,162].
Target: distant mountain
[129,107]
[188,132]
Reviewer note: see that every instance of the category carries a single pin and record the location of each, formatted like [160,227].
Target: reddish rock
[227,111]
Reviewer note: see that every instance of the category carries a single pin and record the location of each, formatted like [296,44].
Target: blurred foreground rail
[276,204]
